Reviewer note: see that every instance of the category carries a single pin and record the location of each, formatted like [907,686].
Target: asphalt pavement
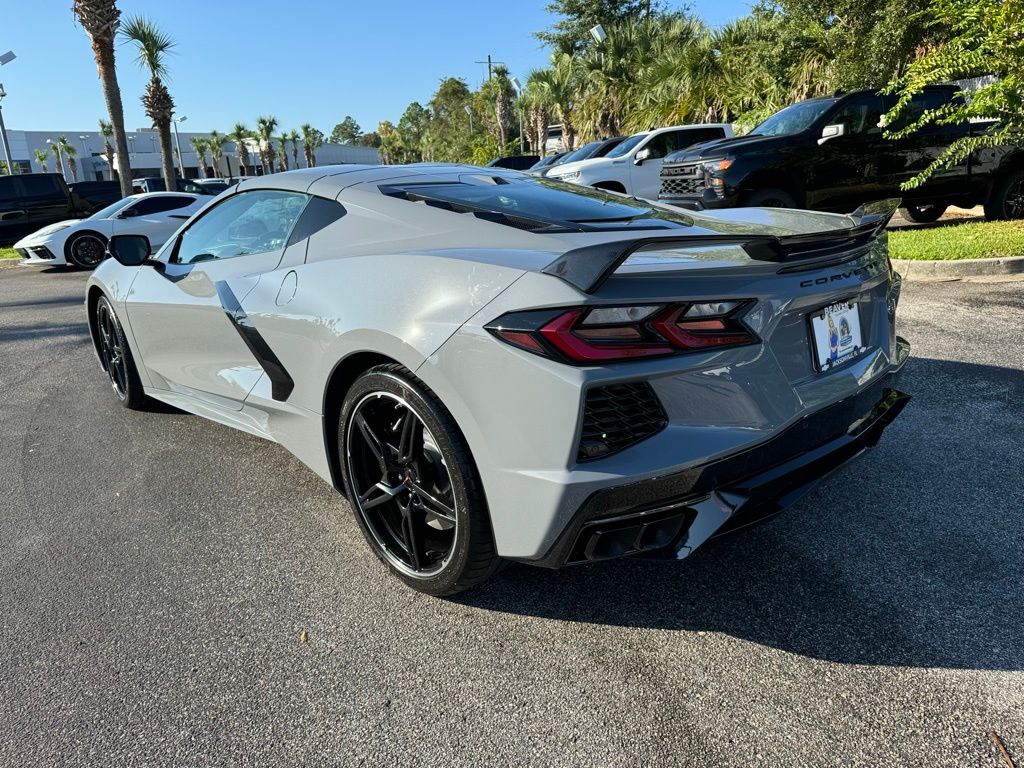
[157,572]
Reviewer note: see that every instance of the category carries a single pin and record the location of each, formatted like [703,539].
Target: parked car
[514,162]
[598,148]
[91,196]
[30,201]
[634,166]
[830,154]
[553,142]
[545,163]
[83,242]
[484,371]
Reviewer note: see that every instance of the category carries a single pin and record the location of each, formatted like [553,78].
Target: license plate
[836,331]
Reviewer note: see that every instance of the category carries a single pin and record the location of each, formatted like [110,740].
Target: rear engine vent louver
[618,416]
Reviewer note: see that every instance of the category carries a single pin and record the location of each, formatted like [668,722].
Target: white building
[144,152]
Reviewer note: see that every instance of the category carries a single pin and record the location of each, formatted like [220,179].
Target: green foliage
[412,128]
[346,132]
[972,240]
[572,33]
[371,139]
[984,38]
[7,253]
[153,44]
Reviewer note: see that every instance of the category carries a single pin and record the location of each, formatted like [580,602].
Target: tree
[558,86]
[216,144]
[239,134]
[411,130]
[282,159]
[390,142]
[312,140]
[265,127]
[346,132]
[448,137]
[371,139]
[43,158]
[293,137]
[101,19]
[984,37]
[572,33]
[65,147]
[153,46]
[106,131]
[200,145]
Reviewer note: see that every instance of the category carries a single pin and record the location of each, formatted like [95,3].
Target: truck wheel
[769,197]
[922,214]
[1007,199]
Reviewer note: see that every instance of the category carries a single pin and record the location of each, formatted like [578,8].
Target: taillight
[594,335]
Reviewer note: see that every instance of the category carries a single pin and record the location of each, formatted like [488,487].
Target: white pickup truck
[634,167]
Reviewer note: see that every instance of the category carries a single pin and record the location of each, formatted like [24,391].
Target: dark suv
[830,154]
[30,201]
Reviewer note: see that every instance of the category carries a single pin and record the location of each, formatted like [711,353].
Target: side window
[152,205]
[8,195]
[659,145]
[256,221]
[919,104]
[700,135]
[860,115]
[42,187]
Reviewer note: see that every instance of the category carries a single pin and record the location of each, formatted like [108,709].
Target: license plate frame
[843,341]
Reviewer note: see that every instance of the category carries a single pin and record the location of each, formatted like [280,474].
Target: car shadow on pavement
[911,556]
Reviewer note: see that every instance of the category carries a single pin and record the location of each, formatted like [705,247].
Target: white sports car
[83,242]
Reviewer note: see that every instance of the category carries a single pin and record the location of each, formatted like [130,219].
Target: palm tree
[200,145]
[239,134]
[43,157]
[154,46]
[216,144]
[293,137]
[503,94]
[312,140]
[537,103]
[282,162]
[100,19]
[265,132]
[558,85]
[106,131]
[63,145]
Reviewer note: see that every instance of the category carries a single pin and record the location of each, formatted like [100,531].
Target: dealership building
[144,152]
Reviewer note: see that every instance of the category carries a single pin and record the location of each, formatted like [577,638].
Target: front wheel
[769,197]
[413,485]
[922,214]
[86,250]
[1007,199]
[116,357]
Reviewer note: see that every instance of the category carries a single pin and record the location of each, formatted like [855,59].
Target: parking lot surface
[157,571]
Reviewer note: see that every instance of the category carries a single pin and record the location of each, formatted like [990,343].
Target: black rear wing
[588,267]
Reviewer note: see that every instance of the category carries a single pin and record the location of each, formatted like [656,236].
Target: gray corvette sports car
[491,365]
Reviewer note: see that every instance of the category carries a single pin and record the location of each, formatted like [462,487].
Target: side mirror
[129,250]
[643,154]
[831,132]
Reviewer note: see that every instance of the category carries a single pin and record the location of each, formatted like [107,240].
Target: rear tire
[769,197]
[1007,199]
[86,250]
[923,214]
[418,499]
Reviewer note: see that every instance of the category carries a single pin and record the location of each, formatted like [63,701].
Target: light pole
[597,32]
[60,156]
[469,111]
[5,58]
[131,146]
[519,92]
[177,144]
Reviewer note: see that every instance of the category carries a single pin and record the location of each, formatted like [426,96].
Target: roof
[326,180]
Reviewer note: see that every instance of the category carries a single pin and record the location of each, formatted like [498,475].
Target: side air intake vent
[618,416]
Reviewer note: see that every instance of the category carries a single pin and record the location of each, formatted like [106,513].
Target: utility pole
[491,64]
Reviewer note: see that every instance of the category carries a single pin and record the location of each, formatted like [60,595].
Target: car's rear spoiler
[588,267]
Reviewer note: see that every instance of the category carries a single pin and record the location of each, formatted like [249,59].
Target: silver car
[492,366]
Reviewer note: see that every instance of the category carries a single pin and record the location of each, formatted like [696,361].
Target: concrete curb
[955,269]
[9,263]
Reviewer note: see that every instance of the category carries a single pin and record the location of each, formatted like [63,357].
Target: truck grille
[682,180]
[618,416]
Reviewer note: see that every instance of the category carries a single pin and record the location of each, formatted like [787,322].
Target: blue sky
[314,61]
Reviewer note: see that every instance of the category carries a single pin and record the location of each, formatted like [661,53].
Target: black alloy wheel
[412,483]
[112,349]
[87,250]
[402,488]
[1013,199]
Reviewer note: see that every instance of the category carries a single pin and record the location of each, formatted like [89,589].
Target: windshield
[110,210]
[627,145]
[795,118]
[580,154]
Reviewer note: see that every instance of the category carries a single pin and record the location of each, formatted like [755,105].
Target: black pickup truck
[830,154]
[30,201]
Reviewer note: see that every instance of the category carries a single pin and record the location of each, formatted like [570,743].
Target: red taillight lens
[585,335]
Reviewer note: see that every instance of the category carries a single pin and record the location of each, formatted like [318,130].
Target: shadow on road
[911,556]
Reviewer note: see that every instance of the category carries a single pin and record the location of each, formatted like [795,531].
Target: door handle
[12,215]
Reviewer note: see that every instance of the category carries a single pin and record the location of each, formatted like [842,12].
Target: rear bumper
[670,516]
